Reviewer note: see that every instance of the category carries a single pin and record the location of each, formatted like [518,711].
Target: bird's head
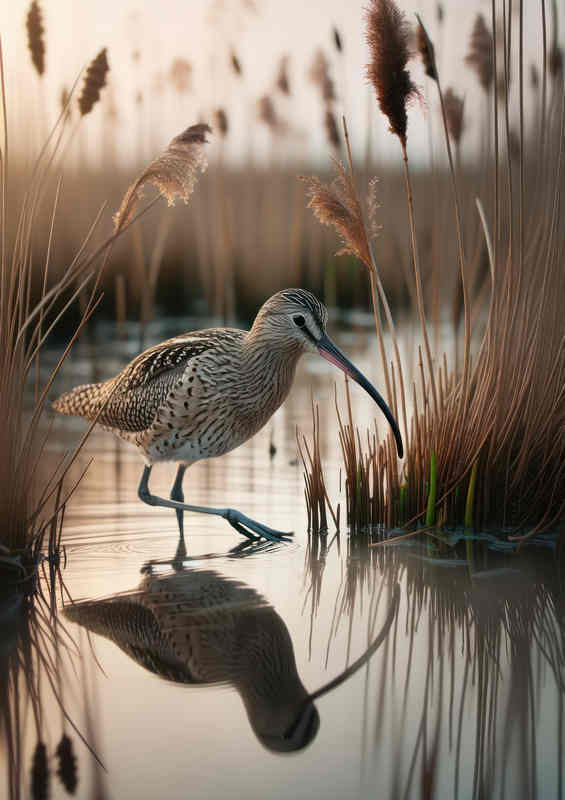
[295,319]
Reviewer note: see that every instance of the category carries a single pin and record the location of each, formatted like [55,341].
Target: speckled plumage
[203,393]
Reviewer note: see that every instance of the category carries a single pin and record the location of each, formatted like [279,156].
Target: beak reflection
[333,354]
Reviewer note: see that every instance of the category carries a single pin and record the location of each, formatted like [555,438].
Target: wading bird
[204,393]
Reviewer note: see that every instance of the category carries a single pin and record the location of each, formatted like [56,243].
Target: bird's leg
[178,495]
[245,525]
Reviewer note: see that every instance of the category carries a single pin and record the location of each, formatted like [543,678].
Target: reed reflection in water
[465,699]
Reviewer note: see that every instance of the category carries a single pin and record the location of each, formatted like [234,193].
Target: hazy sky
[204,31]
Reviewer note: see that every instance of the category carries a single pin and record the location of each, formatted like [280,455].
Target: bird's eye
[299,320]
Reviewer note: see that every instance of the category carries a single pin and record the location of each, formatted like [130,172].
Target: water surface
[191,664]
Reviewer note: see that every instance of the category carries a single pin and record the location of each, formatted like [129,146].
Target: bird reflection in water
[196,626]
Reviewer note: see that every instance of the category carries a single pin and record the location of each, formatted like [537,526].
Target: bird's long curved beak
[333,354]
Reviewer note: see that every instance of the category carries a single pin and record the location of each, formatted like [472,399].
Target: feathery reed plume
[388,35]
[180,75]
[267,114]
[338,41]
[454,107]
[236,64]
[332,130]
[282,82]
[35,37]
[480,56]
[426,50]
[319,74]
[174,173]
[221,122]
[335,204]
[94,82]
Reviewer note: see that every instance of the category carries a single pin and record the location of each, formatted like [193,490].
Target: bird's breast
[216,406]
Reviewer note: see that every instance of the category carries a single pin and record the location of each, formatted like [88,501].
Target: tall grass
[496,426]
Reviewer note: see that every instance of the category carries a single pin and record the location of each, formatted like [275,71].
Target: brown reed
[388,34]
[282,81]
[35,36]
[332,131]
[319,74]
[180,75]
[236,64]
[221,123]
[426,50]
[480,57]
[174,173]
[94,82]
[454,108]
[338,41]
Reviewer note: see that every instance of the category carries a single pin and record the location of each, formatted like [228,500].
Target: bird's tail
[83,401]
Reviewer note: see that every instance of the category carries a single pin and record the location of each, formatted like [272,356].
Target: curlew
[204,393]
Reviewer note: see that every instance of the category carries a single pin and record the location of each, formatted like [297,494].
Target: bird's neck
[261,345]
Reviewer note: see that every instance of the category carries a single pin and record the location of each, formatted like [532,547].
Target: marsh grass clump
[487,446]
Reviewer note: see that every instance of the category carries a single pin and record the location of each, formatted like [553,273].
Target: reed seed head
[282,82]
[221,122]
[335,204]
[388,36]
[236,64]
[454,107]
[67,769]
[174,173]
[319,74]
[332,130]
[426,50]
[338,41]
[40,773]
[35,37]
[180,75]
[480,56]
[268,115]
[94,82]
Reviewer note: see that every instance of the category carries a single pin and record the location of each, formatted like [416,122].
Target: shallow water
[193,680]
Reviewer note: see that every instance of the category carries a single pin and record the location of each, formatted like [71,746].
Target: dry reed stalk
[94,82]
[388,35]
[316,494]
[35,36]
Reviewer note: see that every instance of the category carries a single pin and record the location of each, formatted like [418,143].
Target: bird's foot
[252,529]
